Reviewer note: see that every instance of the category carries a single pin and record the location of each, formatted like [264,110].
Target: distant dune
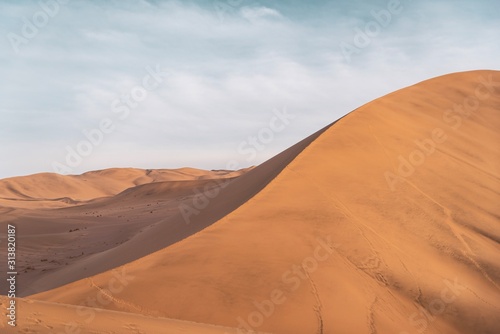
[47,190]
[386,221]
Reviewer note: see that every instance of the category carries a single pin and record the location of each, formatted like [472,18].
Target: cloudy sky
[167,84]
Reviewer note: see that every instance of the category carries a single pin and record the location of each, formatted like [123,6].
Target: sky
[227,84]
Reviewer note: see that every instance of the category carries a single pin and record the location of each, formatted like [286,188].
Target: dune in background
[386,221]
[48,190]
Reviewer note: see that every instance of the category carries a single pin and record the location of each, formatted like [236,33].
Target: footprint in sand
[133,328]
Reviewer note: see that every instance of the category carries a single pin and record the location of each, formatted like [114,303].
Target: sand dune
[48,190]
[386,221]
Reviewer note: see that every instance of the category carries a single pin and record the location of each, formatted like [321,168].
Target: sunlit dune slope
[41,317]
[392,215]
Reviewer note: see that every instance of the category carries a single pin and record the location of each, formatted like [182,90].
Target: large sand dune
[387,221]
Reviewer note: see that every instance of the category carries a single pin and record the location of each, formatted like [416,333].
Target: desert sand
[386,221]
[43,317]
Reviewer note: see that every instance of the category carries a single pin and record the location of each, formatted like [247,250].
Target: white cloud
[254,14]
